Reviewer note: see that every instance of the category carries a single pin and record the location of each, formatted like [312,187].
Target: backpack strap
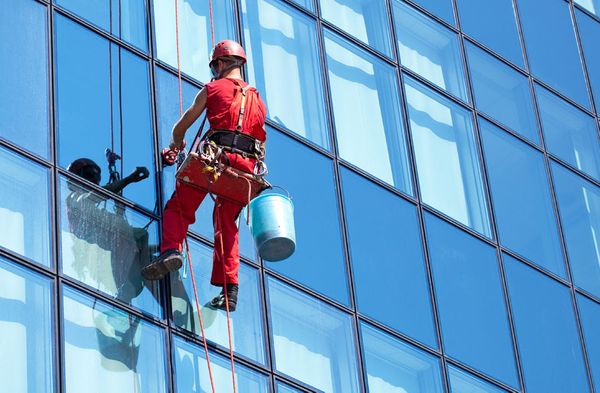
[238,127]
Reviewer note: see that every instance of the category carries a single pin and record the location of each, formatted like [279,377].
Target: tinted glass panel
[521,196]
[557,64]
[440,8]
[284,65]
[366,107]
[318,261]
[282,388]
[591,5]
[429,49]
[470,299]
[579,206]
[24,64]
[105,245]
[191,372]
[569,133]
[492,23]
[26,327]
[589,32]
[400,297]
[117,114]
[589,314]
[320,354]
[447,157]
[125,19]
[24,207]
[107,350]
[463,382]
[246,321]
[366,20]
[194,33]
[502,93]
[546,331]
[396,367]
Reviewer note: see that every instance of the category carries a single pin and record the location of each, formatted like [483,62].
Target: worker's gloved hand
[140,173]
[169,154]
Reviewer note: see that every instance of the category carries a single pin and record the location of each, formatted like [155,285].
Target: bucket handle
[281,188]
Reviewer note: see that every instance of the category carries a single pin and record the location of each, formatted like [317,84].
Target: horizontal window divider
[27,263]
[587,294]
[26,154]
[491,52]
[436,88]
[90,26]
[581,8]
[509,130]
[298,7]
[72,283]
[300,287]
[294,384]
[44,2]
[576,171]
[173,70]
[479,374]
[101,190]
[425,11]
[458,224]
[545,272]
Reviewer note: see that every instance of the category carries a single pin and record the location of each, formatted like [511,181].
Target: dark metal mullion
[25,153]
[463,366]
[491,211]
[278,378]
[575,171]
[590,296]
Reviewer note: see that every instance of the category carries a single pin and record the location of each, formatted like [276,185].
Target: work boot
[166,262]
[232,295]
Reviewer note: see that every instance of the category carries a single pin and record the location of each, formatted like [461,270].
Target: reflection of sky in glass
[194,33]
[24,86]
[191,372]
[320,354]
[24,207]
[247,332]
[463,382]
[283,63]
[26,324]
[447,158]
[366,107]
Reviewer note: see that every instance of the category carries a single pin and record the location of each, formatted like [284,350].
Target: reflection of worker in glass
[236,115]
[91,221]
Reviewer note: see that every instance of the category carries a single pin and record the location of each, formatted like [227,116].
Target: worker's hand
[177,146]
[140,173]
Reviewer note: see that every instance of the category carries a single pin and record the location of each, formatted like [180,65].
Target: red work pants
[180,213]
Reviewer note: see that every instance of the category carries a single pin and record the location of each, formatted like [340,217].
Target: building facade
[443,157]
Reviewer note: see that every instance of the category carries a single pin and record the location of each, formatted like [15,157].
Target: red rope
[212,23]
[187,247]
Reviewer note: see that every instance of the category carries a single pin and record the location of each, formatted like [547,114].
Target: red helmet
[228,48]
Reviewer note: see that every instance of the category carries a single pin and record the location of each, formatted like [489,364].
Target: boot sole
[158,270]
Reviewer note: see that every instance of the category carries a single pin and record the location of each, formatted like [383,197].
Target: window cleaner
[227,162]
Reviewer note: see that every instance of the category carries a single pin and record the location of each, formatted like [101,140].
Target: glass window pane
[399,298]
[107,350]
[569,133]
[284,65]
[24,64]
[546,331]
[26,330]
[168,114]
[366,107]
[366,20]
[447,157]
[579,207]
[393,366]
[191,372]
[493,23]
[318,261]
[591,5]
[24,207]
[283,388]
[128,17]
[105,245]
[117,114]
[589,33]
[320,354]
[463,382]
[246,321]
[521,196]
[429,49]
[194,33]
[470,301]
[558,64]
[440,8]
[589,314]
[502,93]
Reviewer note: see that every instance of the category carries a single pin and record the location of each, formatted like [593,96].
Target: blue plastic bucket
[272,226]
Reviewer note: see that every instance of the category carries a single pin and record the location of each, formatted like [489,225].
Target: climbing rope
[187,247]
